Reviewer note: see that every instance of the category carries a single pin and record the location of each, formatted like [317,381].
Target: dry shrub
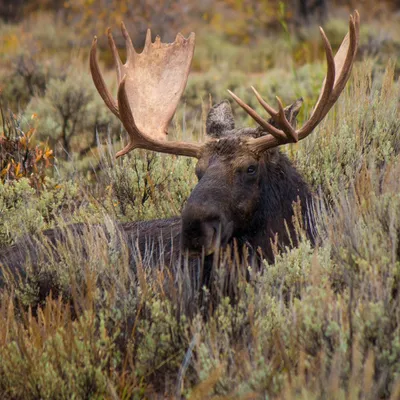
[19,156]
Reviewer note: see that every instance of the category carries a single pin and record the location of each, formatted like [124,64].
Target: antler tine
[130,50]
[147,42]
[276,133]
[289,131]
[266,106]
[344,68]
[114,50]
[278,116]
[99,81]
[357,22]
[318,113]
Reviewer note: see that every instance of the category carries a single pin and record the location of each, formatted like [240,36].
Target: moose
[246,187]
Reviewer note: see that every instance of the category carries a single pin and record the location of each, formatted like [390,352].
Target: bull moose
[246,188]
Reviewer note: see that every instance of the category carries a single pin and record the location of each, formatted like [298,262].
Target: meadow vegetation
[321,322]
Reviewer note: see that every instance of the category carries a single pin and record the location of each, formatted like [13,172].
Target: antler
[150,86]
[338,73]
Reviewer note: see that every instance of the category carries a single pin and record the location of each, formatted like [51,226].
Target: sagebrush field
[322,322]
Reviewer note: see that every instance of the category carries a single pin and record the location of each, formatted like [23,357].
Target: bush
[19,156]
[19,201]
[70,112]
[25,79]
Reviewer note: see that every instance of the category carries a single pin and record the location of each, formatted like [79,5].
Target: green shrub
[20,202]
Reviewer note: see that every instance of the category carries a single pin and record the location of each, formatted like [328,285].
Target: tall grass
[319,322]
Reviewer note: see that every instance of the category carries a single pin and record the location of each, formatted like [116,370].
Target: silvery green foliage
[19,202]
[319,322]
[70,110]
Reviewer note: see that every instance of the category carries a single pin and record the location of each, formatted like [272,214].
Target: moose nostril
[212,231]
[213,223]
[201,229]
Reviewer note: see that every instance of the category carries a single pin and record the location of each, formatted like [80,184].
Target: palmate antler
[338,73]
[150,86]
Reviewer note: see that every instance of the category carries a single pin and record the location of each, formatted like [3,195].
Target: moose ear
[220,120]
[290,113]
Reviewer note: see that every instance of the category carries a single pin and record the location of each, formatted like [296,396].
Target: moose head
[246,186]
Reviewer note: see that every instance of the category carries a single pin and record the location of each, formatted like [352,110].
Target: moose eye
[251,170]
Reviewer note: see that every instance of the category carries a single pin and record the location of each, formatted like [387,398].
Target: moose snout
[203,230]
[198,235]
